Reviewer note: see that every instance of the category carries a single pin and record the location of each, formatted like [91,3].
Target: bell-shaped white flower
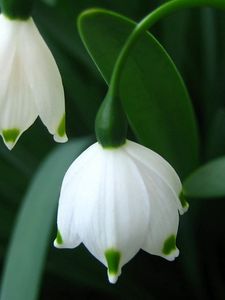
[117,201]
[30,82]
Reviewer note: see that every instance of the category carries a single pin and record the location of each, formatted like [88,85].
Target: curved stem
[161,12]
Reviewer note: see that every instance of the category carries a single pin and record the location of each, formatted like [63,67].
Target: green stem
[161,12]
[111,123]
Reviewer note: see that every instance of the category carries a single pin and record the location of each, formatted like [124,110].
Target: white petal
[116,203]
[73,183]
[164,217]
[66,222]
[158,165]
[17,111]
[117,216]
[45,82]
[81,162]
[104,200]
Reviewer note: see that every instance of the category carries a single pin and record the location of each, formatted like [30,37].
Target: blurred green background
[195,39]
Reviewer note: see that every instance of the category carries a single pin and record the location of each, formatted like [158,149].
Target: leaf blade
[32,231]
[207,181]
[152,91]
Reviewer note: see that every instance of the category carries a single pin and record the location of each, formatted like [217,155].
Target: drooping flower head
[119,197]
[117,201]
[30,82]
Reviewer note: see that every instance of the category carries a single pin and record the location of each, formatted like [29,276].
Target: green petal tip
[113,261]
[169,245]
[62,127]
[60,135]
[183,201]
[59,240]
[10,136]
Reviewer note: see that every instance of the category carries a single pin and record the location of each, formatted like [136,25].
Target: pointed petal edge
[184,203]
[60,135]
[169,250]
[113,257]
[10,137]
[58,242]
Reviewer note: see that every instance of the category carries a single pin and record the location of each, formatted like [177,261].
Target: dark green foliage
[195,39]
[152,91]
[17,9]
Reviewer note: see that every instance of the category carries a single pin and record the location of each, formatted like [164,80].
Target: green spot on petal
[10,135]
[183,200]
[169,245]
[62,127]
[59,239]
[113,259]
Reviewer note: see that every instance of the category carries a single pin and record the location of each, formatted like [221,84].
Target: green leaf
[152,91]
[29,243]
[208,181]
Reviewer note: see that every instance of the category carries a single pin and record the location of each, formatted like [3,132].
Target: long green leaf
[153,93]
[208,181]
[30,240]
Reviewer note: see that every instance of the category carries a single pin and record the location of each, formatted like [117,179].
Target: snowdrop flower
[30,83]
[117,201]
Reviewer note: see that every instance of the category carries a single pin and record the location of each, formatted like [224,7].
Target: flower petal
[159,166]
[80,163]
[17,111]
[117,216]
[155,162]
[45,82]
[116,203]
[71,186]
[164,217]
[66,221]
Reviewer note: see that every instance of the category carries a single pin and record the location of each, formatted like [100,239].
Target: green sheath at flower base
[111,123]
[17,9]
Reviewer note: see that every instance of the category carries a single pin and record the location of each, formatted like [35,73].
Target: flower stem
[111,122]
[161,12]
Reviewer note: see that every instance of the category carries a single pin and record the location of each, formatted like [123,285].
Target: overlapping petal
[116,201]
[45,82]
[98,199]
[17,111]
[159,166]
[161,237]
[30,83]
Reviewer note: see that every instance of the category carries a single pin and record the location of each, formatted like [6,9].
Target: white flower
[117,201]
[30,83]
